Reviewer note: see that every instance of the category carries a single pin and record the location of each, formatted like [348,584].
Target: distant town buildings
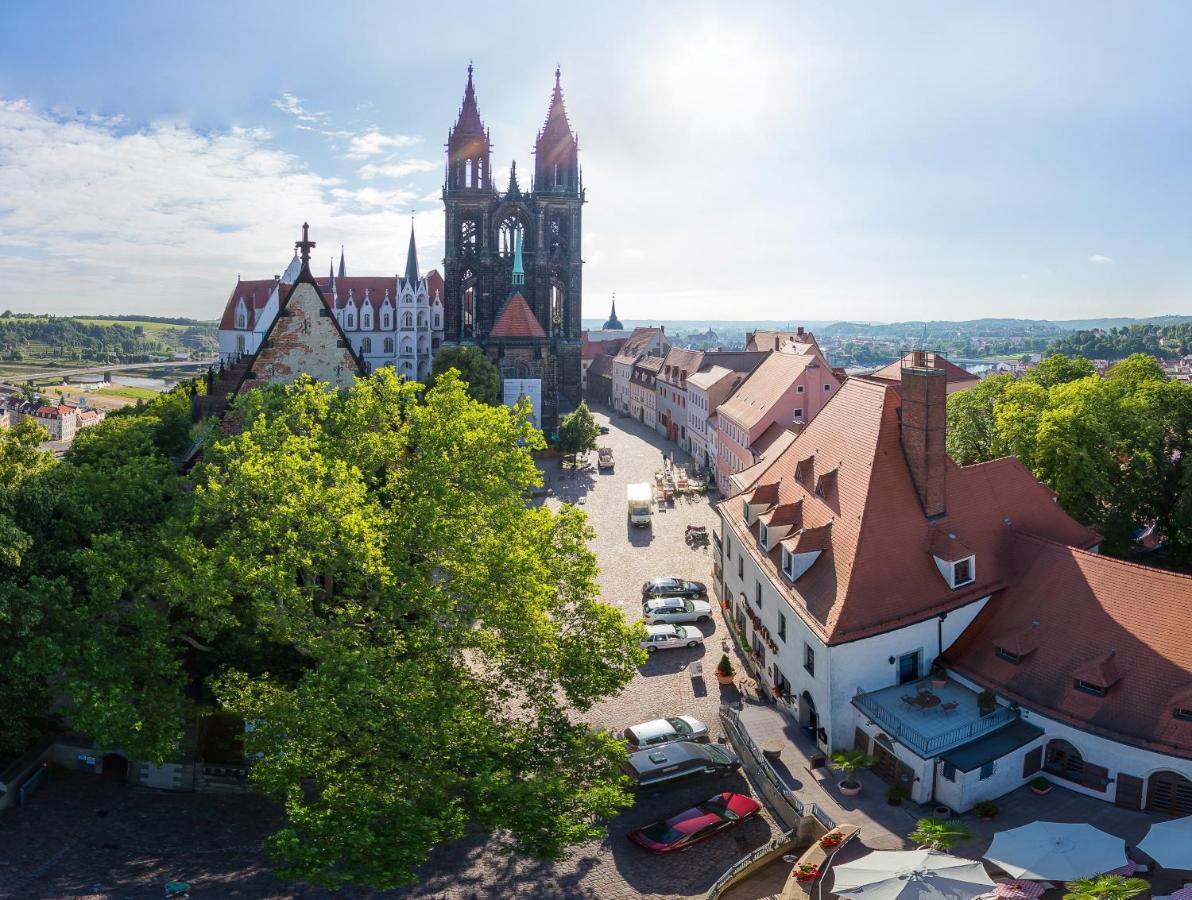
[62,420]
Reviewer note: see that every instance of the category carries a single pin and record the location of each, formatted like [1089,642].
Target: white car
[663,731]
[675,610]
[668,637]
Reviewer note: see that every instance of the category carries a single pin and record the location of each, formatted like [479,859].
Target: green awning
[992,746]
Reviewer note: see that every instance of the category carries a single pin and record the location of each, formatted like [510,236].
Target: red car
[722,812]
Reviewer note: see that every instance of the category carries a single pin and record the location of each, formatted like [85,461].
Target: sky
[812,161]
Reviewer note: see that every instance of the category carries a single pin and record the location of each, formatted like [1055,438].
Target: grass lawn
[133,323]
[130,393]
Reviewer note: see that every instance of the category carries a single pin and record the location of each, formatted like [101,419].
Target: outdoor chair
[946,708]
[910,701]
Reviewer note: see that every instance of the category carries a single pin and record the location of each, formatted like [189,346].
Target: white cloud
[396,168]
[292,105]
[1098,260]
[160,219]
[374,143]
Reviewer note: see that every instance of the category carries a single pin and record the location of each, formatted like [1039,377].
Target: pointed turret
[412,262]
[613,323]
[556,152]
[331,277]
[343,269]
[514,191]
[468,147]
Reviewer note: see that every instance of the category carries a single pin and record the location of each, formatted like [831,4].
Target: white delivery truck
[641,504]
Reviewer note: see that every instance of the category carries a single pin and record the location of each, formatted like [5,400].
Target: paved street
[89,837]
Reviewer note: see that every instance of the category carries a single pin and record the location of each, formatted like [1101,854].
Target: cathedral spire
[613,323]
[519,273]
[514,190]
[556,151]
[469,113]
[412,260]
[343,271]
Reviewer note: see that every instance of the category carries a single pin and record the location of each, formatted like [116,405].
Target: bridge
[39,375]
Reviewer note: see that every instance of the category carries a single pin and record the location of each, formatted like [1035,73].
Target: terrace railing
[925,745]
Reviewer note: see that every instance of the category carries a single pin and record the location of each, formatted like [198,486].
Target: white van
[679,759]
[641,503]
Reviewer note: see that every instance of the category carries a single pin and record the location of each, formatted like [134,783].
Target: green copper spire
[519,274]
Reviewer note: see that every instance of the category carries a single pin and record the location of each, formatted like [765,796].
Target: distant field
[129,393]
[133,323]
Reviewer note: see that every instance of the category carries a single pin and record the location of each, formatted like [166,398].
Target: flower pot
[849,788]
[723,678]
[1041,791]
[942,812]
[939,681]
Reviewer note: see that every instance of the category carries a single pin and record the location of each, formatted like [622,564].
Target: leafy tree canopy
[1115,449]
[477,371]
[358,576]
[578,431]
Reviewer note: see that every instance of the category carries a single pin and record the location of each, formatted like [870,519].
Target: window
[386,321]
[242,315]
[782,626]
[757,594]
[469,307]
[467,235]
[949,772]
[1089,688]
[986,772]
[407,320]
[809,659]
[366,320]
[239,343]
[366,345]
[1182,713]
[798,417]
[351,319]
[799,389]
[745,510]
[740,566]
[508,231]
[827,387]
[388,345]
[728,547]
[763,536]
[1005,654]
[962,572]
[908,666]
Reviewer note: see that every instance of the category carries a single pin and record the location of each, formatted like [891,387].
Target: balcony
[931,730]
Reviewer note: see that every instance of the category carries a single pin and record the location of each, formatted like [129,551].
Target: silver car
[676,610]
[669,637]
[663,731]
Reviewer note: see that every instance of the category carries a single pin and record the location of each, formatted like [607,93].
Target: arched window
[1169,794]
[1064,761]
[242,314]
[366,319]
[469,316]
[389,345]
[421,320]
[505,236]
[556,307]
[406,366]
[350,319]
[386,320]
[407,320]
[557,181]
[469,234]
[558,234]
[436,319]
[407,348]
[240,343]
[366,345]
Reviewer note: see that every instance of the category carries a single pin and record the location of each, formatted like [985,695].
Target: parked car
[604,458]
[668,637]
[676,609]
[679,759]
[673,587]
[717,814]
[663,731]
[604,429]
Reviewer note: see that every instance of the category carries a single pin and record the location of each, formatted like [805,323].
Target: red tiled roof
[592,349]
[517,320]
[953,372]
[879,574]
[638,343]
[773,340]
[434,285]
[766,439]
[256,293]
[764,387]
[1095,619]
[947,546]
[602,364]
[687,361]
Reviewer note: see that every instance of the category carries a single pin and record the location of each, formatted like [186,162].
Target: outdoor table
[928,700]
[1018,889]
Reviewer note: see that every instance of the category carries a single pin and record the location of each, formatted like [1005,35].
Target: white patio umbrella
[910,875]
[1056,851]
[1170,843]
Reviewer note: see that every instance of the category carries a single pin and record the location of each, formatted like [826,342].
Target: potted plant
[805,872]
[848,762]
[938,834]
[986,809]
[1105,887]
[724,670]
[939,675]
[986,702]
[1041,786]
[831,840]
[895,794]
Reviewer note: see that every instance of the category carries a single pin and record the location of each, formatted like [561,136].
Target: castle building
[533,332]
[391,320]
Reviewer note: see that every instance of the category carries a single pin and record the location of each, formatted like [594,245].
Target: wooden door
[1170,794]
[1032,762]
[886,765]
[861,741]
[1129,791]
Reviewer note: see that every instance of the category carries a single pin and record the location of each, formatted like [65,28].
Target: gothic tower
[484,226]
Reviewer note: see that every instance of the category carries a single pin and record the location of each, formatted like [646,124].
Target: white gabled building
[859,555]
[390,321]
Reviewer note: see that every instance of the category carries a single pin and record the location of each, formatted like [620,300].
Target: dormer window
[745,509]
[962,571]
[242,315]
[1008,655]
[1183,713]
[1089,688]
[763,536]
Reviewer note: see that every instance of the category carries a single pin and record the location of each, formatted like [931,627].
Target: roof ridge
[1111,560]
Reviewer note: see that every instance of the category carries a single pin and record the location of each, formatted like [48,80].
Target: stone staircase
[215,402]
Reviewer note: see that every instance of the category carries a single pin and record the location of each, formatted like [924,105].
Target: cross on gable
[305,245]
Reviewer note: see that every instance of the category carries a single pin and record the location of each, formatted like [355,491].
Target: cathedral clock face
[468,235]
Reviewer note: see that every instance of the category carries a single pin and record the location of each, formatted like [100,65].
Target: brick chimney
[924,426]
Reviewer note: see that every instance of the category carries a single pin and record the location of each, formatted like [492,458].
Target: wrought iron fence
[745,862]
[897,727]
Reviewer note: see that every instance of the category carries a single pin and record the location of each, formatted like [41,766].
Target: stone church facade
[486,227]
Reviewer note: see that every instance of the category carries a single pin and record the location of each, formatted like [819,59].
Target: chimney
[800,331]
[777,341]
[924,426]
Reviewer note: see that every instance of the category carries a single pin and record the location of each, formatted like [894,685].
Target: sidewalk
[883,827]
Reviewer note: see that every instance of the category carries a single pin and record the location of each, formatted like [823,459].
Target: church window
[436,319]
[480,172]
[366,319]
[386,321]
[350,319]
[468,174]
[239,343]
[557,181]
[505,236]
[468,235]
[366,345]
[558,234]
[469,306]
[242,315]
[407,320]
[388,345]
[421,320]
[407,348]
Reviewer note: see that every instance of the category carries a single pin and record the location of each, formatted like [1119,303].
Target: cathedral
[512,261]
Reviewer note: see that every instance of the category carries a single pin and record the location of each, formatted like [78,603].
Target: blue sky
[776,161]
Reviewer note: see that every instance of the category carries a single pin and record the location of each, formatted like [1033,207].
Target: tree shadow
[668,662]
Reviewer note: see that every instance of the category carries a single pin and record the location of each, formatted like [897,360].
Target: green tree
[1105,887]
[474,368]
[972,435]
[1059,369]
[578,431]
[939,834]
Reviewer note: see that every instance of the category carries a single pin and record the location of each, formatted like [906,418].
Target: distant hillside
[27,338]
[1164,341]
